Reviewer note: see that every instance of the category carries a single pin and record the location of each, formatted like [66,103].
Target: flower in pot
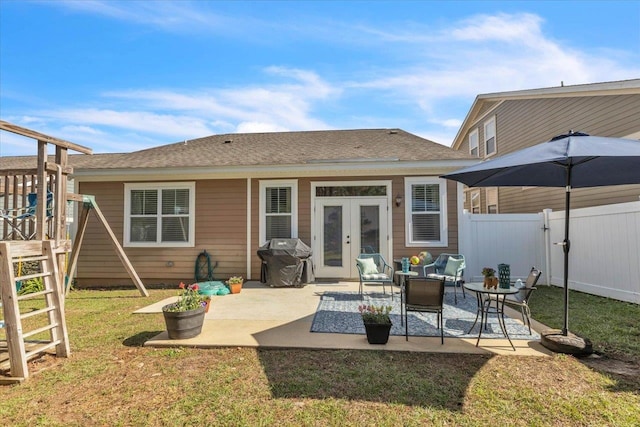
[184,317]
[377,323]
[235,284]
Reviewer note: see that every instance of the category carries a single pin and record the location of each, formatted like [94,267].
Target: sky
[120,76]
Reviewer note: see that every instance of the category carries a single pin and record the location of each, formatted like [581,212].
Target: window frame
[476,134]
[444,229]
[488,199]
[159,186]
[491,123]
[277,183]
[473,196]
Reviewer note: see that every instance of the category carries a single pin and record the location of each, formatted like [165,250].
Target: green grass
[613,326]
[110,379]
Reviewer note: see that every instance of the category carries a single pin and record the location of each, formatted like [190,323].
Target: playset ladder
[49,320]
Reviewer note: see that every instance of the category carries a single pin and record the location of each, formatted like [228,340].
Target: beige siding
[220,229]
[522,123]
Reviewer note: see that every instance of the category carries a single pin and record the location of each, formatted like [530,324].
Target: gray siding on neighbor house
[522,123]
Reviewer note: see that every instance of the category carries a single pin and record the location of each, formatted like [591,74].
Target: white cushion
[367,265]
[376,276]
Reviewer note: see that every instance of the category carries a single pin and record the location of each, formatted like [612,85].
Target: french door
[344,228]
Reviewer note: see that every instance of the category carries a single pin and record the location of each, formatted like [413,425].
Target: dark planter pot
[377,333]
[184,324]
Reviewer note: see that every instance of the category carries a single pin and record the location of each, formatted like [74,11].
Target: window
[278,210]
[426,211]
[160,214]
[492,200]
[490,136]
[475,201]
[474,150]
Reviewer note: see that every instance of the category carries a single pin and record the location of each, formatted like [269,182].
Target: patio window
[490,136]
[278,210]
[475,201]
[426,212]
[474,149]
[159,214]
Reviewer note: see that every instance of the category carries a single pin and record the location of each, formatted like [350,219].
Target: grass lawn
[110,379]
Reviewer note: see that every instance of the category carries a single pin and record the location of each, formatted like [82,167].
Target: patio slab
[261,316]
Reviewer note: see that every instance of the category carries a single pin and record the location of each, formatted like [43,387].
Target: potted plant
[235,284]
[490,279]
[184,318]
[377,323]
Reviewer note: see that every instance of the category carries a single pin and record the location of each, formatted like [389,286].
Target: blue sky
[119,76]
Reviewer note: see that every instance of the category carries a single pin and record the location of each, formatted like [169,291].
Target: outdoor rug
[338,313]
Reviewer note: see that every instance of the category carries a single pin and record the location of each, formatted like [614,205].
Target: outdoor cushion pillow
[452,266]
[367,265]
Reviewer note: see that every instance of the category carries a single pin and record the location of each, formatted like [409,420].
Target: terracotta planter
[235,288]
[206,307]
[184,324]
[377,333]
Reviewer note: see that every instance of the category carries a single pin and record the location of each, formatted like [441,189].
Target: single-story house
[339,191]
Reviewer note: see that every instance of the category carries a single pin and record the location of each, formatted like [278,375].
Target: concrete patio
[261,316]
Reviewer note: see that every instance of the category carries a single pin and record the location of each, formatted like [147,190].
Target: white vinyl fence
[605,247]
[514,239]
[605,250]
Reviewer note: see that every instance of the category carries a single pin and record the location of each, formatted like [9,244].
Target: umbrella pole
[566,247]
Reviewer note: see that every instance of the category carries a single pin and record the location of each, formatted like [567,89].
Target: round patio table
[484,306]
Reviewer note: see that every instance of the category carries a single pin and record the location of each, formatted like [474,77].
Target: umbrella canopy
[575,160]
[593,161]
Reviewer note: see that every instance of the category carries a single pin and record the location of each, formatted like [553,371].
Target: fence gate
[492,239]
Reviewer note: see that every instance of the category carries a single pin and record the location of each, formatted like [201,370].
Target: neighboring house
[499,123]
[338,191]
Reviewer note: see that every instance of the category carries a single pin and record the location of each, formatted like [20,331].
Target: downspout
[248,228]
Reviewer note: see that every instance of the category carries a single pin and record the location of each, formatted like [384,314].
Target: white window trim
[477,144]
[444,228]
[495,137]
[487,204]
[476,194]
[191,186]
[264,184]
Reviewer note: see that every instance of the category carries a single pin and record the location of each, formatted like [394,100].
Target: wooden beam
[121,254]
[10,127]
[77,244]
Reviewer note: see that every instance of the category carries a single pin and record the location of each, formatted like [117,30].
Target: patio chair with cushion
[424,295]
[374,269]
[521,299]
[449,267]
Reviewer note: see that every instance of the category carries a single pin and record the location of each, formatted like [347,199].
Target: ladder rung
[33,276]
[41,348]
[36,312]
[39,330]
[30,258]
[35,294]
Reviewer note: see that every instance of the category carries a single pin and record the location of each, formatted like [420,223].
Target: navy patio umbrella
[574,160]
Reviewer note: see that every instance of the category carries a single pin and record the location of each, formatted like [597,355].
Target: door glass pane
[351,191]
[370,229]
[332,237]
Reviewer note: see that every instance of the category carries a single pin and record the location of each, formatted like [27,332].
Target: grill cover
[286,262]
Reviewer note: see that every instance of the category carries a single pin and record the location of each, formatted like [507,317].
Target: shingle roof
[277,148]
